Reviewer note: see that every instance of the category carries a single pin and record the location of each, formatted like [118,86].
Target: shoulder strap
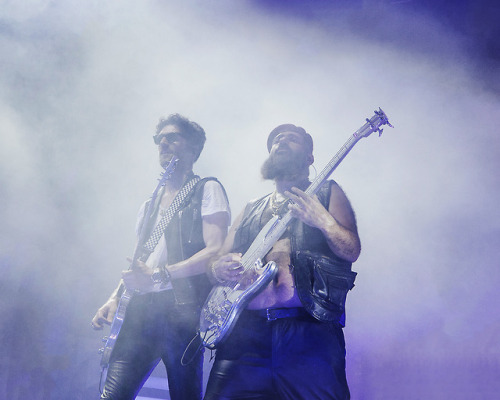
[157,233]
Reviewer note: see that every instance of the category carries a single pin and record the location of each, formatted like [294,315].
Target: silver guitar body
[226,302]
[116,326]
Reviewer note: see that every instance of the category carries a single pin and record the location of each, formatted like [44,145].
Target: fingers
[298,200]
[231,274]
[296,193]
[297,204]
[105,314]
[96,326]
[136,274]
[138,279]
[228,267]
[302,200]
[298,196]
[306,208]
[138,263]
[229,261]
[97,322]
[230,257]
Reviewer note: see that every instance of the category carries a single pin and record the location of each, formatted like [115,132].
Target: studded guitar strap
[157,233]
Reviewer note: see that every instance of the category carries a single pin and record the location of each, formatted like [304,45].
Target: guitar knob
[104,339]
[101,350]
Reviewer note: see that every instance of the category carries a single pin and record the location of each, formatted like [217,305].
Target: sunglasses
[170,137]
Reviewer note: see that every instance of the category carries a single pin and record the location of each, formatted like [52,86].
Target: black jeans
[155,329]
[289,358]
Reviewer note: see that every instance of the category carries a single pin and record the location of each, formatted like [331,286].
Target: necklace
[277,205]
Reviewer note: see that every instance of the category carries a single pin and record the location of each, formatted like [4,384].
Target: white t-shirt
[213,201]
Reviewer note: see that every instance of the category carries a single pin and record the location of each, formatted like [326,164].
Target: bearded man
[288,343]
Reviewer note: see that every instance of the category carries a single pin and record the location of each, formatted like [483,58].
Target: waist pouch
[322,285]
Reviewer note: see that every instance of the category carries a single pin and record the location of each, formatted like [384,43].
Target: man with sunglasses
[288,343]
[162,318]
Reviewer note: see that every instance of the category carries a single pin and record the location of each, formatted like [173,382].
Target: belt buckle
[270,315]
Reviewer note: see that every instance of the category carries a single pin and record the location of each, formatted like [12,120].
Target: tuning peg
[101,350]
[104,339]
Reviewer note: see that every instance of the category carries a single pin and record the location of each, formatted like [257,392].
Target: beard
[285,166]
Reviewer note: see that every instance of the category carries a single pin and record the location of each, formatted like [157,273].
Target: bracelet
[212,269]
[161,275]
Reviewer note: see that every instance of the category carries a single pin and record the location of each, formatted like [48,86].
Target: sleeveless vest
[184,238]
[322,279]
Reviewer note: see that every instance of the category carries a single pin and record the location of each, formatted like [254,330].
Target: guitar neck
[332,165]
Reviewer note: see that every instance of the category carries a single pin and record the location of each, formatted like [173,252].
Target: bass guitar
[139,254]
[227,300]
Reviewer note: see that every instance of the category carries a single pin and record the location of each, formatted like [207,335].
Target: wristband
[160,275]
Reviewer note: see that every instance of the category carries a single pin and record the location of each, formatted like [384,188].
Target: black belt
[272,314]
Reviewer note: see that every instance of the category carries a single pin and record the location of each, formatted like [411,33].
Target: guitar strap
[157,233]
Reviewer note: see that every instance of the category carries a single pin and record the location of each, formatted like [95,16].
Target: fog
[82,85]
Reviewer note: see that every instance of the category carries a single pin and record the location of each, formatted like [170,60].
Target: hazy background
[83,83]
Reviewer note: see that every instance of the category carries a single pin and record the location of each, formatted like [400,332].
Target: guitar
[127,294]
[227,300]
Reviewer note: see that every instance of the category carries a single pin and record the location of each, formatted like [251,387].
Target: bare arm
[214,232]
[226,266]
[106,312]
[338,223]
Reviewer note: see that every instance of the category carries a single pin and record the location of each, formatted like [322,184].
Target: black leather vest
[317,271]
[184,237]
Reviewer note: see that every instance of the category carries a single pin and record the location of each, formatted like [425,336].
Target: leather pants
[288,359]
[156,328]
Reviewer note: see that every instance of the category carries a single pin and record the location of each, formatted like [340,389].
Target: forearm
[194,265]
[223,250]
[116,294]
[343,242]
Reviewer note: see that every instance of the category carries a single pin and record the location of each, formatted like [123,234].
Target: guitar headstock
[169,169]
[373,125]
